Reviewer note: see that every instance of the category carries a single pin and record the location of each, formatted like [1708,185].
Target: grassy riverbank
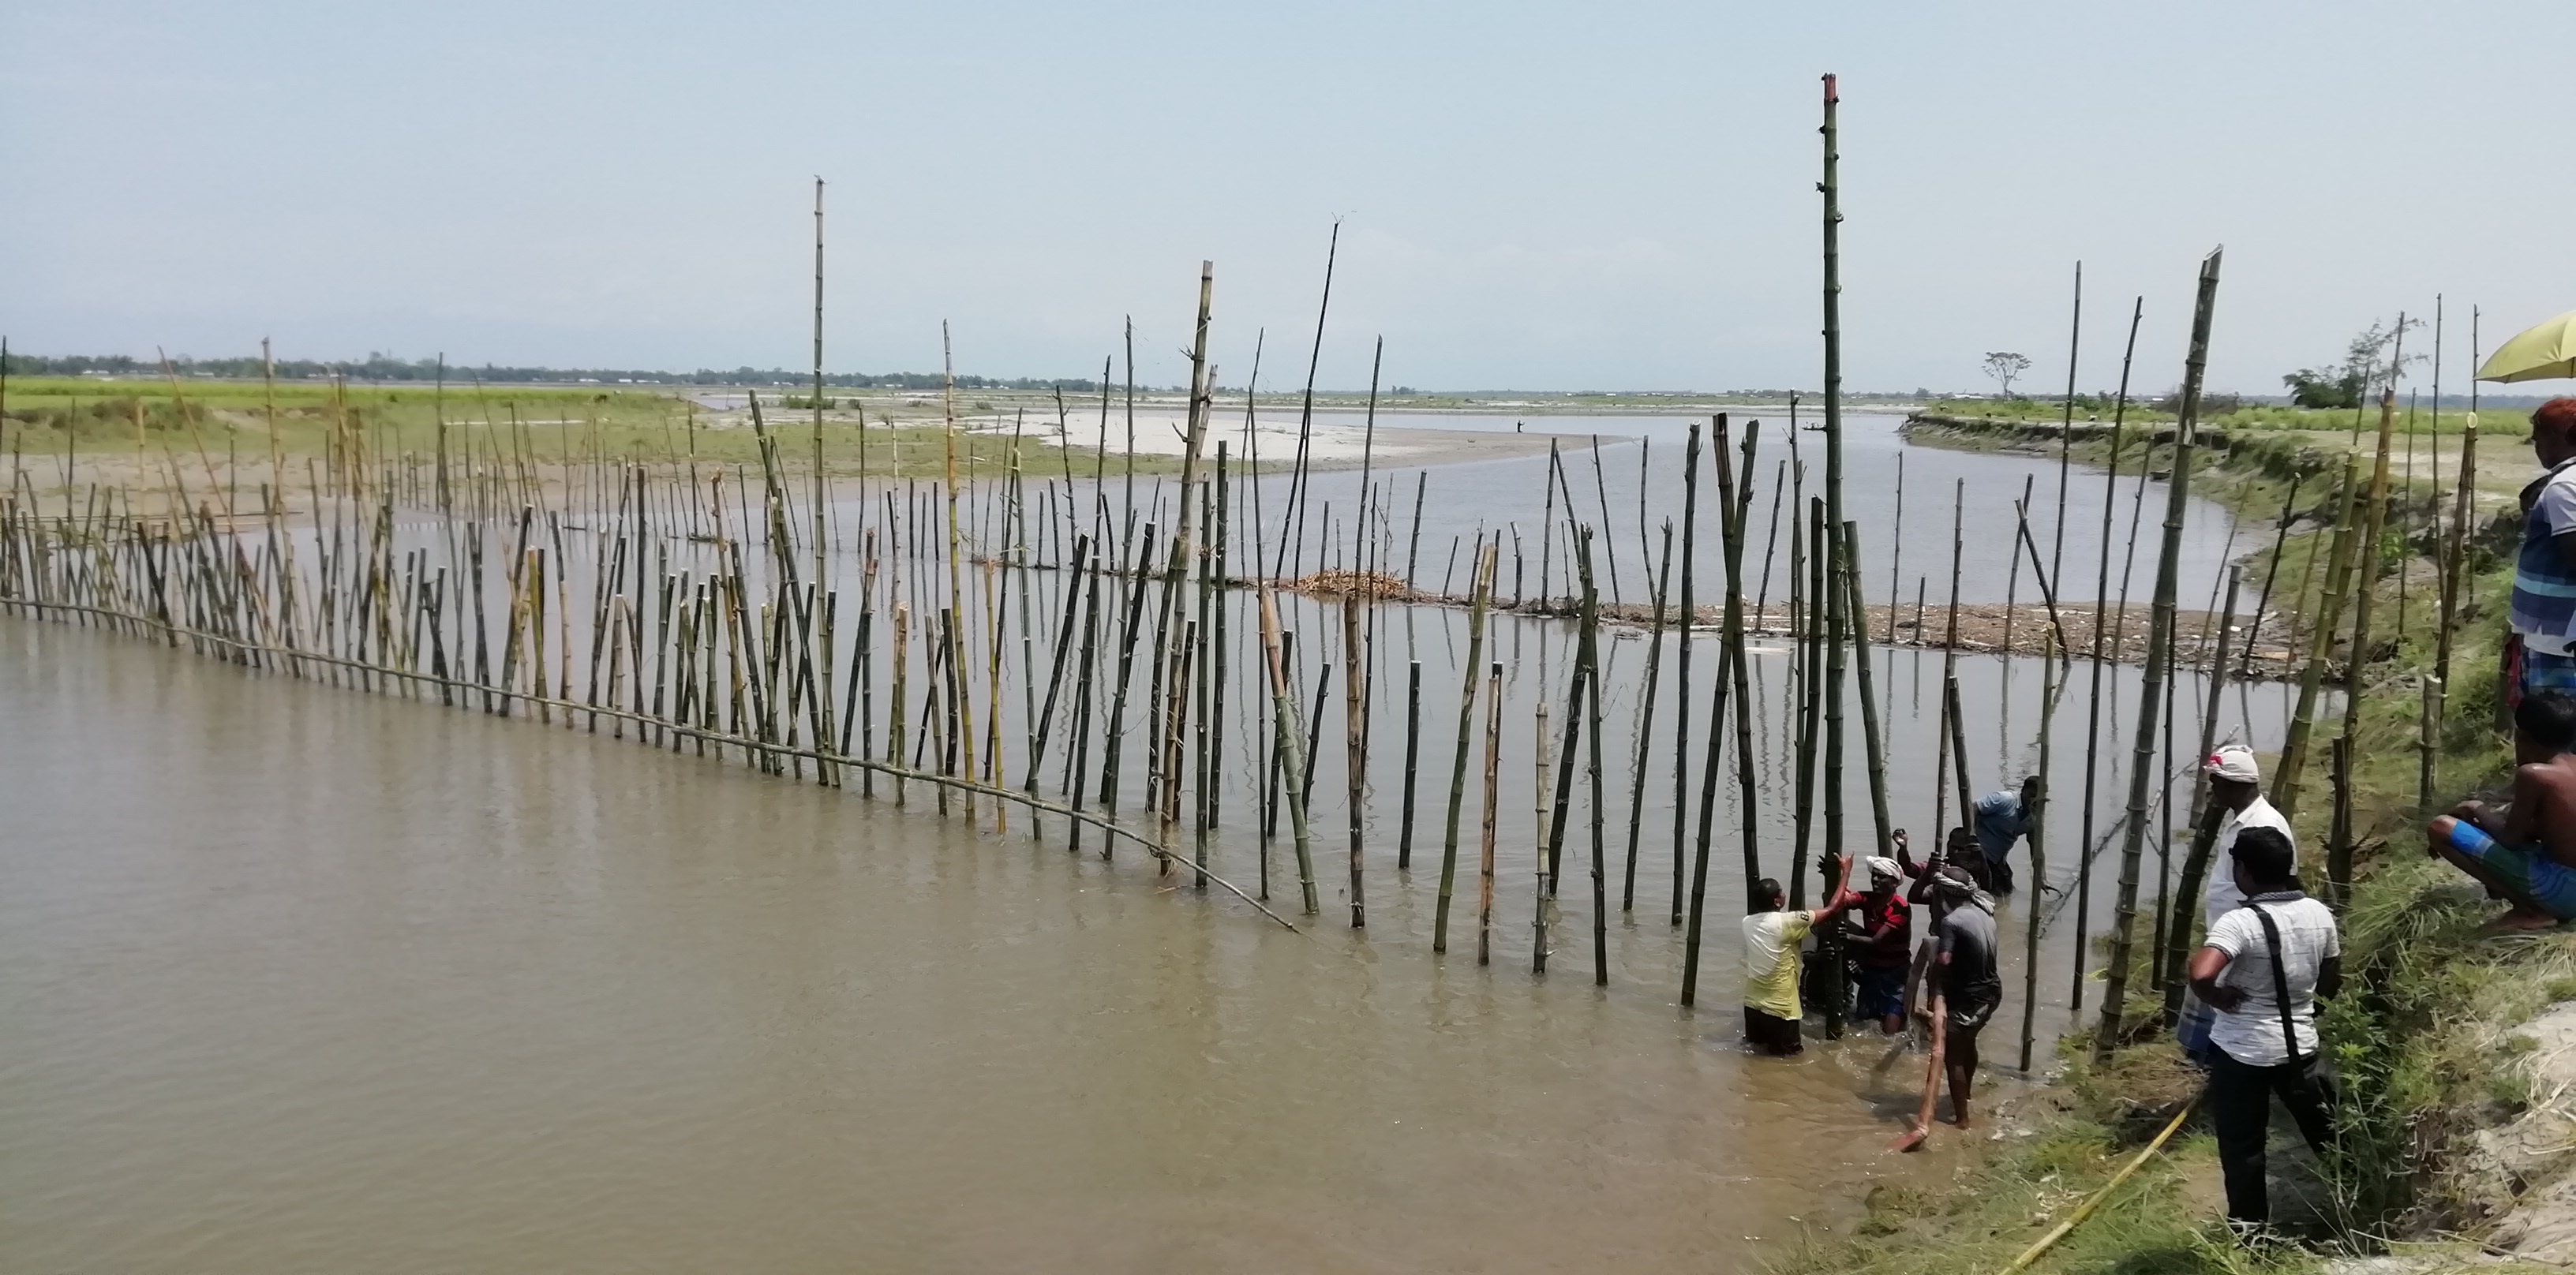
[2427,1038]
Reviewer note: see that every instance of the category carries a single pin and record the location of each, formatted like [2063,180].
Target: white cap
[2235,762]
[1880,865]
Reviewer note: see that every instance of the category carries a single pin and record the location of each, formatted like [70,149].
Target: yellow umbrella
[2543,353]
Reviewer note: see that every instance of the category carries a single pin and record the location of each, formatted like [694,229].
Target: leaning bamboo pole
[2366,559]
[2159,661]
[1284,717]
[2321,635]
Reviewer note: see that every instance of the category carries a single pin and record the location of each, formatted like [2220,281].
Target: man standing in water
[2235,786]
[1883,948]
[2002,818]
[2538,655]
[1969,981]
[1771,938]
[2527,854]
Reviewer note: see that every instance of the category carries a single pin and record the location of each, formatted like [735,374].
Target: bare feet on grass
[2523,918]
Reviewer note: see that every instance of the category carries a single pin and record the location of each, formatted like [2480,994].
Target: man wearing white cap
[2235,786]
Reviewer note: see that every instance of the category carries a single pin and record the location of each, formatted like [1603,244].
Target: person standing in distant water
[1970,985]
[2001,819]
[2538,654]
[1771,938]
[2235,786]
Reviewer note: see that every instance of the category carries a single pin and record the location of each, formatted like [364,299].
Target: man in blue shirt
[2540,652]
[2001,819]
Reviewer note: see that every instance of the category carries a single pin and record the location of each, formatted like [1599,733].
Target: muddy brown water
[302,979]
[299,979]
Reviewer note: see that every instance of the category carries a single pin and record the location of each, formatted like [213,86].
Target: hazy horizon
[1548,197]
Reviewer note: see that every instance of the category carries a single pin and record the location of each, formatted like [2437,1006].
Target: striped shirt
[2544,587]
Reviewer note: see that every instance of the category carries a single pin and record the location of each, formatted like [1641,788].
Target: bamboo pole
[1646,721]
[1480,593]
[2195,865]
[2321,635]
[1682,662]
[1284,718]
[2159,661]
[2093,698]
[2366,561]
[1587,657]
[1493,796]
[2437,689]
[2048,685]
[1412,762]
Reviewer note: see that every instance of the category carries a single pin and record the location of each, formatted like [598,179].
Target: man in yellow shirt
[1771,938]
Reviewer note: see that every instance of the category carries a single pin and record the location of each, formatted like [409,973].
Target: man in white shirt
[2280,946]
[2236,787]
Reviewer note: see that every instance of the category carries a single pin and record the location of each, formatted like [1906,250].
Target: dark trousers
[2240,1104]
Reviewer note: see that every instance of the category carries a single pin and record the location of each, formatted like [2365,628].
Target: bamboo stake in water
[1291,748]
[1480,593]
[2159,663]
[1646,721]
[1587,656]
[1493,796]
[2048,684]
[1682,662]
[1538,821]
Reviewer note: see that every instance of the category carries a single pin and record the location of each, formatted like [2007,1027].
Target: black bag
[2311,1068]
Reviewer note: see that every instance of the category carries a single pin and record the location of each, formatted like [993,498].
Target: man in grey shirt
[1969,983]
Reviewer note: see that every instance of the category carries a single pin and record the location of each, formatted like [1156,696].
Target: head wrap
[1881,866]
[2234,763]
[1957,887]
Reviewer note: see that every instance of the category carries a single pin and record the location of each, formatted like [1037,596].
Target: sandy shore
[1273,439]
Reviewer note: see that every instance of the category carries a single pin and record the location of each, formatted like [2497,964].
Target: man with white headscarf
[1883,947]
[2236,787]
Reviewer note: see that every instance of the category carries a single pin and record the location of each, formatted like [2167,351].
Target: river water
[302,979]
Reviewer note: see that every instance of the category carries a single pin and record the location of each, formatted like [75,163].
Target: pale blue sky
[1545,196]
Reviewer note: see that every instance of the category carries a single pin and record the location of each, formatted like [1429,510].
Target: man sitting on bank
[2527,855]
[1771,938]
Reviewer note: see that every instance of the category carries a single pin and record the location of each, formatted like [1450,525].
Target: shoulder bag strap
[2280,983]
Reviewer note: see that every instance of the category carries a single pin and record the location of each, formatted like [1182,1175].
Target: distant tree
[2006,367]
[2368,365]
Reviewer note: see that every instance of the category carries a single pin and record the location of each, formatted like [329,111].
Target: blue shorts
[2527,870]
[1882,992]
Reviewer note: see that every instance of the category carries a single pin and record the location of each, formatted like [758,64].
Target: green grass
[903,433]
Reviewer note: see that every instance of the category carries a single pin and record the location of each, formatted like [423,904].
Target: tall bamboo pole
[2159,660]
[1480,594]
[2437,689]
[2366,559]
[2093,707]
[2048,683]
[1682,663]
